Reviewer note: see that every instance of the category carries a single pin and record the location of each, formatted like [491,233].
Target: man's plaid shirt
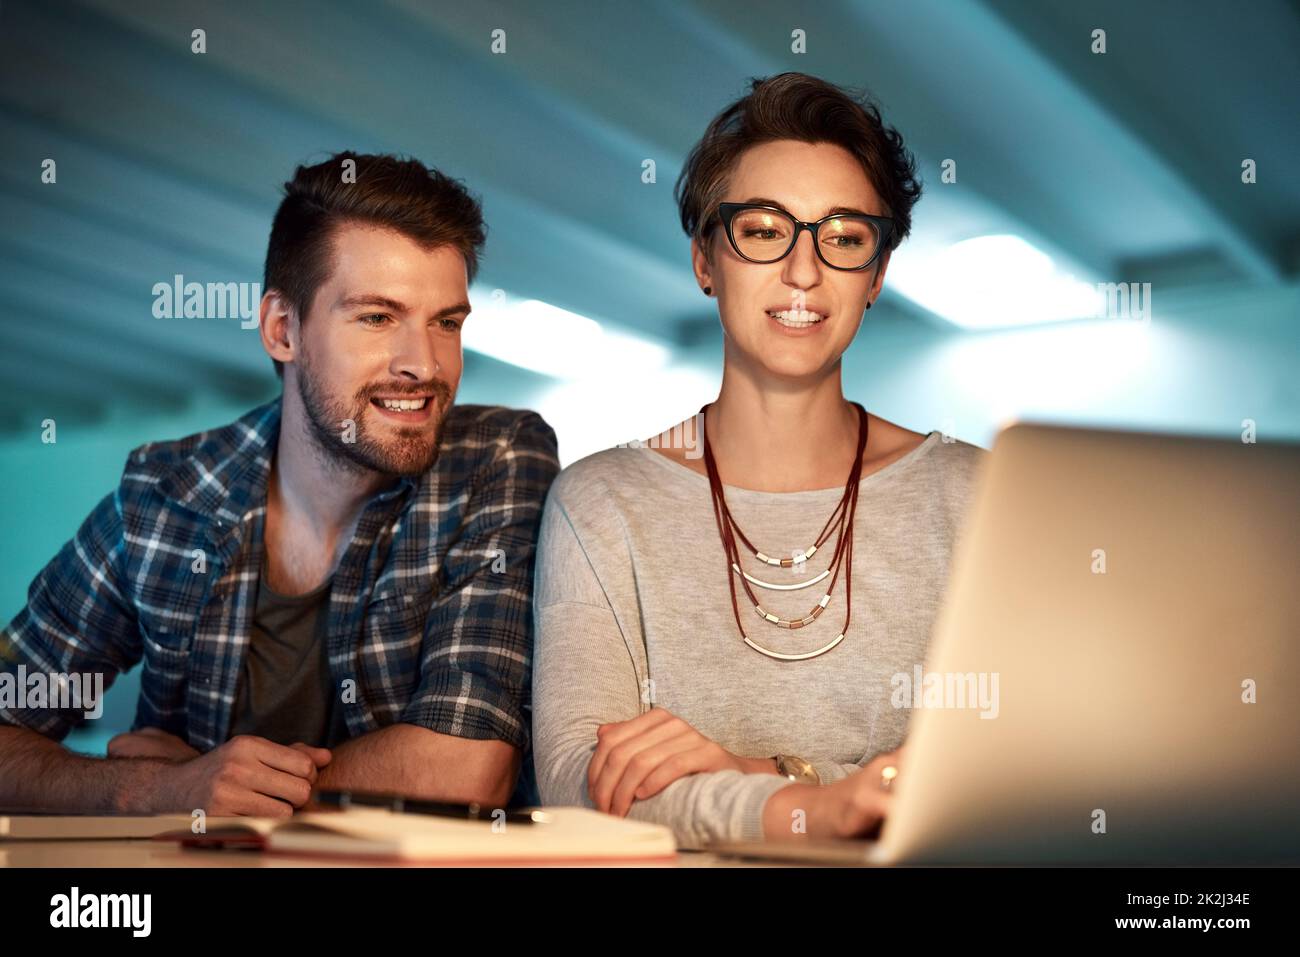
[430,619]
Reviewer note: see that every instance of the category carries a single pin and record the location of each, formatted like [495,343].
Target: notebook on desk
[1136,596]
[559,834]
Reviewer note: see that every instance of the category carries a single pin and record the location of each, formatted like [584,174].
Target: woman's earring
[708,290]
[868,303]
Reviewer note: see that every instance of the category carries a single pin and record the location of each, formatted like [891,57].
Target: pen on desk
[404,805]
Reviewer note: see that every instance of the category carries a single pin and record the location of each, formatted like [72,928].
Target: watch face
[798,769]
[791,766]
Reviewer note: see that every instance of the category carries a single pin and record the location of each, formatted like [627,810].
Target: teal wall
[1200,366]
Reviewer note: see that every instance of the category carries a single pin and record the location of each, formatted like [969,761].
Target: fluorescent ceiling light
[543,338]
[991,282]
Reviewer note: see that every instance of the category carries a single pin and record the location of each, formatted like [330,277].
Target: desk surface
[146,853]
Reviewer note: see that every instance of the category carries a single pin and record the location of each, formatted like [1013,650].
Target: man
[333,590]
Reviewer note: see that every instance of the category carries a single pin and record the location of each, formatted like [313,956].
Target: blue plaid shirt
[430,619]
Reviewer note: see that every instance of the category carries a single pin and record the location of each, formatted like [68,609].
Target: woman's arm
[832,771]
[584,676]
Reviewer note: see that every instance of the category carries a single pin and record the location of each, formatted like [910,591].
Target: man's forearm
[41,775]
[416,762]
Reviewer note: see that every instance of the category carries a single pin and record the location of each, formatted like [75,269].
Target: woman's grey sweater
[632,610]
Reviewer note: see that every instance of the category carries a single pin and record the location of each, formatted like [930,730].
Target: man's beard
[411,452]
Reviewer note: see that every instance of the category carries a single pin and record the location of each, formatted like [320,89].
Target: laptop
[1138,598]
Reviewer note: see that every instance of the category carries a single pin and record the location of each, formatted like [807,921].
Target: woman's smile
[797,322]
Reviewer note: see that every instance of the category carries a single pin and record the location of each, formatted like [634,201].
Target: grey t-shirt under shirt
[632,607]
[285,692]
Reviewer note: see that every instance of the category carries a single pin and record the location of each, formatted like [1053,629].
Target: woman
[698,662]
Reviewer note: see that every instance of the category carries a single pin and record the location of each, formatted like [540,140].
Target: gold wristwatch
[796,769]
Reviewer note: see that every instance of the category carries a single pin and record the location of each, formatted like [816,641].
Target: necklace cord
[842,519]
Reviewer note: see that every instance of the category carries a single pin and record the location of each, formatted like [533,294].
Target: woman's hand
[638,758]
[854,807]
[863,804]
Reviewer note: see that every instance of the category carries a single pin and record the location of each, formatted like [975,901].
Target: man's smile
[409,408]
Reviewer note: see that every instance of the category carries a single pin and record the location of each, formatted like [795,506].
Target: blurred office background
[1074,169]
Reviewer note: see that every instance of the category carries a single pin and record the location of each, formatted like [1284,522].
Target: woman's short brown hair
[400,194]
[795,106]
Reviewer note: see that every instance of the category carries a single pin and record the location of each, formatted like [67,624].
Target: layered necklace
[840,525]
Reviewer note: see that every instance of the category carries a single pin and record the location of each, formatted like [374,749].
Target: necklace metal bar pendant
[763,584]
[803,657]
[797,559]
[807,619]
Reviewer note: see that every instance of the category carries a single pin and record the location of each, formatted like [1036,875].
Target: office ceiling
[1127,164]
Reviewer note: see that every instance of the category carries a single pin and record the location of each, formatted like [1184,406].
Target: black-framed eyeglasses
[765,234]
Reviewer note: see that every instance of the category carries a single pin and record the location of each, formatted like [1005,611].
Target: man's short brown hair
[795,106]
[382,190]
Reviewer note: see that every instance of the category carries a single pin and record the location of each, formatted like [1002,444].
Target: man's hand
[245,776]
[156,743]
[150,743]
[638,758]
[319,758]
